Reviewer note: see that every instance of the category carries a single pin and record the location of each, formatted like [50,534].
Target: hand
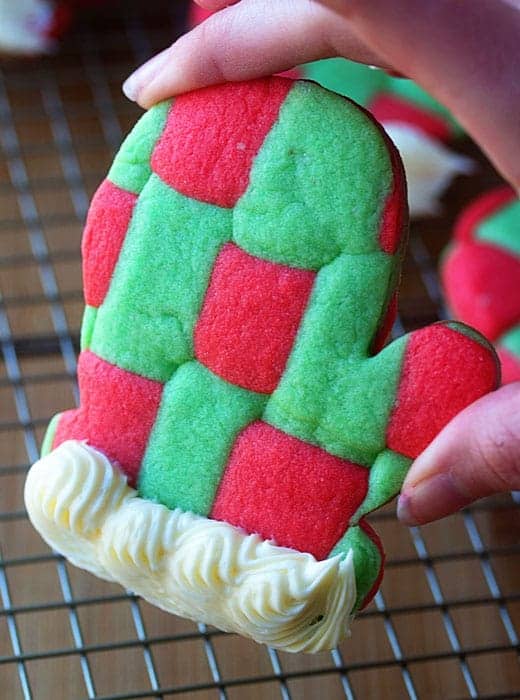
[477,454]
[451,50]
[465,54]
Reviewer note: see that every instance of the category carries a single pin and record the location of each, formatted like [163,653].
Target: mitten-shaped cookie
[419,126]
[240,414]
[481,273]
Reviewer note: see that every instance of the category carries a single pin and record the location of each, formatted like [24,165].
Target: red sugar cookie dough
[394,213]
[117,412]
[207,153]
[415,422]
[289,491]
[105,230]
[386,325]
[249,319]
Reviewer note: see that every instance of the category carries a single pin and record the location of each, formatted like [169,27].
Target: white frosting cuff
[202,569]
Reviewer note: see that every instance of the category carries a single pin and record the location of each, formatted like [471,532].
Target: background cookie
[31,27]
[481,269]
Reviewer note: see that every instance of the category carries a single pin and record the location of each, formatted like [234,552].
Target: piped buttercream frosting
[202,569]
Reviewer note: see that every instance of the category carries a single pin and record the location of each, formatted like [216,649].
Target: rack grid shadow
[445,623]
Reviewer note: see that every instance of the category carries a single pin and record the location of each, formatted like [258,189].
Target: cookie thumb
[477,454]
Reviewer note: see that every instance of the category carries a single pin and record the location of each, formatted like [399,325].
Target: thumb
[244,40]
[477,454]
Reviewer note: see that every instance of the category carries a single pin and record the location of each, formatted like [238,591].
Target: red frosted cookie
[481,273]
[240,414]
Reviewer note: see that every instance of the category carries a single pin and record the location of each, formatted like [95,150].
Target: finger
[465,54]
[246,40]
[476,455]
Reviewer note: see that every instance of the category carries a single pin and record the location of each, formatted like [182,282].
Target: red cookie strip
[206,153]
[289,491]
[105,230]
[117,412]
[251,314]
[430,351]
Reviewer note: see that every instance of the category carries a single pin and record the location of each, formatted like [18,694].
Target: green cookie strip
[367,560]
[87,327]
[511,341]
[384,482]
[130,170]
[49,435]
[131,167]
[294,211]
[199,419]
[145,324]
[503,228]
[332,393]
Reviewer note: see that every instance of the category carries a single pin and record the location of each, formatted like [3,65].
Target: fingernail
[403,510]
[143,75]
[430,499]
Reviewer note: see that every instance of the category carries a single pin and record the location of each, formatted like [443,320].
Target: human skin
[466,55]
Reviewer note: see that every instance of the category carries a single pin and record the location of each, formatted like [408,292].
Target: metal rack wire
[445,622]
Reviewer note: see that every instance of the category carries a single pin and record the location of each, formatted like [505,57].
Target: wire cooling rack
[445,622]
